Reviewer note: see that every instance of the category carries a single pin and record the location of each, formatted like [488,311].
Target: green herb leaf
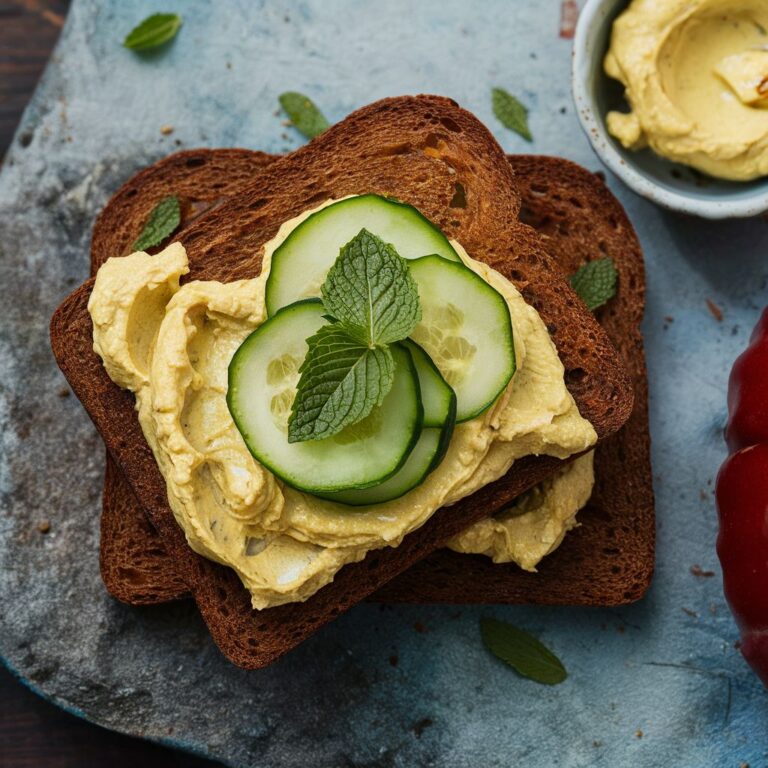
[303,113]
[595,282]
[161,224]
[511,113]
[341,381]
[522,651]
[369,289]
[153,31]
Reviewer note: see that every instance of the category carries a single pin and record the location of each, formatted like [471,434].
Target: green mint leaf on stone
[303,113]
[522,651]
[511,113]
[595,282]
[161,224]
[341,381]
[369,289]
[153,31]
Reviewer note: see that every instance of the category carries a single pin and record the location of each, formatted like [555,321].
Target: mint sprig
[349,368]
[341,381]
[370,290]
[161,224]
[303,113]
[155,30]
[527,655]
[595,282]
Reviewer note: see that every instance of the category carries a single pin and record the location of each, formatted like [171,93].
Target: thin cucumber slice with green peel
[262,381]
[439,403]
[466,330]
[300,263]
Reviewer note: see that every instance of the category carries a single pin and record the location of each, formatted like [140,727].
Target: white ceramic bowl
[672,185]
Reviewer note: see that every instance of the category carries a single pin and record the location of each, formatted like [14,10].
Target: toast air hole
[575,376]
[450,124]
[459,199]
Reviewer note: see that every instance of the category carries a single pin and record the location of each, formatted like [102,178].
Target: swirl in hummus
[695,74]
[171,345]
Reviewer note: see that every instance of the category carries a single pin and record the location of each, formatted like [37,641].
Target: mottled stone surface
[369,690]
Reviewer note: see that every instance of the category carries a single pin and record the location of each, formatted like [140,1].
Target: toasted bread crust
[422,150]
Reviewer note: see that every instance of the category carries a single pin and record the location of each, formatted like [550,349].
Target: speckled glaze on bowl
[669,184]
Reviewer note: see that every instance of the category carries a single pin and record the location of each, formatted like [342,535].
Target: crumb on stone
[699,572]
[44,526]
[421,725]
[166,130]
[717,313]
[638,734]
[63,392]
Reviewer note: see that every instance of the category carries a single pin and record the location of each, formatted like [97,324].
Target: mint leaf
[153,31]
[303,113]
[161,224]
[373,300]
[595,282]
[341,381]
[522,651]
[510,112]
[369,289]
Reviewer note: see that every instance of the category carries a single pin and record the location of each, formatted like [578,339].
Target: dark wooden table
[34,733]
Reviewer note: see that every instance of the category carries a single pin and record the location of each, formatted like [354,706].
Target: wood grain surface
[34,733]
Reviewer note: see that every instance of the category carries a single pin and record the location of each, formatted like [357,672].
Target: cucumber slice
[438,398]
[467,331]
[262,380]
[439,419]
[301,262]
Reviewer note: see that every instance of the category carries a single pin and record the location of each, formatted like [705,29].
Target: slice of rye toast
[428,152]
[607,560]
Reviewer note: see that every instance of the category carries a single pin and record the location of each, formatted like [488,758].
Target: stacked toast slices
[432,154]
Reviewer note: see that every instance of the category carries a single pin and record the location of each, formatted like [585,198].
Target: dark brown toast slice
[430,153]
[606,561]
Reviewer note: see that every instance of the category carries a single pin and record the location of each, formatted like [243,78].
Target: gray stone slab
[666,666]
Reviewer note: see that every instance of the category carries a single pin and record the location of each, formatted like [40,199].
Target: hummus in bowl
[656,132]
[695,74]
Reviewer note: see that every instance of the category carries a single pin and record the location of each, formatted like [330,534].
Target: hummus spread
[536,523]
[171,345]
[695,74]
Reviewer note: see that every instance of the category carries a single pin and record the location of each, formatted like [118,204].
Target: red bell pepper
[742,500]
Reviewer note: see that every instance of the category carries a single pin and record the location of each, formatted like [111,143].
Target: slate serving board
[655,683]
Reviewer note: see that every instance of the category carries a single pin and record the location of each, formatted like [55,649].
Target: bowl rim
[592,14]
